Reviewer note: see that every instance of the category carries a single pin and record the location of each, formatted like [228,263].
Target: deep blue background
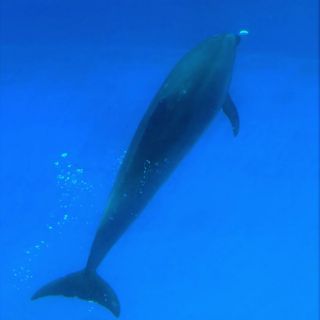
[233,234]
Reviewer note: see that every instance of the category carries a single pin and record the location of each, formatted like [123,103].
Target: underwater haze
[233,233]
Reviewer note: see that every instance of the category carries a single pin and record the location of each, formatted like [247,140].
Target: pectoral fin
[231,112]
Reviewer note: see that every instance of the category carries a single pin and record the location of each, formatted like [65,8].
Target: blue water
[233,233]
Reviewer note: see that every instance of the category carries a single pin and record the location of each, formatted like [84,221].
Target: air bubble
[243,32]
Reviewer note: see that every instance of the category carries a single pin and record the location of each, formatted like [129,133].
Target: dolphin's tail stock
[86,285]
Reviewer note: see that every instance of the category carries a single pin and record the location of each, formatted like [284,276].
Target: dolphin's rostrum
[194,91]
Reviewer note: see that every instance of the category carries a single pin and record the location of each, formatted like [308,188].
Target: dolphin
[195,90]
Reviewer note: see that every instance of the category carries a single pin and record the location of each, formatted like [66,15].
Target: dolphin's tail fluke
[86,285]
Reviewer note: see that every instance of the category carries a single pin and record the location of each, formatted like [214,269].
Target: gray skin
[188,100]
[195,90]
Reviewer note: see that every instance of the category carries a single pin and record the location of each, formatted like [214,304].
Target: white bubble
[64,154]
[243,32]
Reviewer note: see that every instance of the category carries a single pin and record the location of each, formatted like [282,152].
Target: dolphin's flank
[192,94]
